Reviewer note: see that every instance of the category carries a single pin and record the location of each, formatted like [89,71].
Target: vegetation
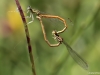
[83,35]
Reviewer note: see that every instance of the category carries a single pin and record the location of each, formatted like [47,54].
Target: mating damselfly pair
[56,35]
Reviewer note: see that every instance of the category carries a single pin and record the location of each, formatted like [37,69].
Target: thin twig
[27,36]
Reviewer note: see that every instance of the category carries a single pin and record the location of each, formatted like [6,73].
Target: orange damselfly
[56,36]
[73,54]
[40,16]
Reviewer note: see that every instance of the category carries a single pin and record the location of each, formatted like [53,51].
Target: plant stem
[27,36]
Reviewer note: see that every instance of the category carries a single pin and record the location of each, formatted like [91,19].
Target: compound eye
[28,7]
[53,32]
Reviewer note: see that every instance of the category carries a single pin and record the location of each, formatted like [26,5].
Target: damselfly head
[54,32]
[29,7]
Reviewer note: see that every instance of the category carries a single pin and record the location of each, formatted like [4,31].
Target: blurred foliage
[83,36]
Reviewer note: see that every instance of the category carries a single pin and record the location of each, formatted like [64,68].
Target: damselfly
[40,16]
[73,54]
[56,36]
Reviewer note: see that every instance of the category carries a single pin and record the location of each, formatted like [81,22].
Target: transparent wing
[55,23]
[76,57]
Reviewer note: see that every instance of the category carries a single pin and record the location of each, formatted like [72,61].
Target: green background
[83,35]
